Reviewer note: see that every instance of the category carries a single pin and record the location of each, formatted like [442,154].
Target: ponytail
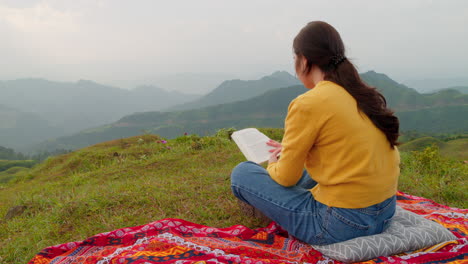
[369,100]
[322,46]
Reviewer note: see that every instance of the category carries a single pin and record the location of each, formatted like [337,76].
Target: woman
[344,135]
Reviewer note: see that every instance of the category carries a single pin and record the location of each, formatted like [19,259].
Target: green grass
[429,174]
[9,174]
[138,180]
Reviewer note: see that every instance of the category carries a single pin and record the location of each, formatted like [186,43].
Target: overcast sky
[115,40]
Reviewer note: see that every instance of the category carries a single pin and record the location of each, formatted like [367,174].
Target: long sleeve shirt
[344,152]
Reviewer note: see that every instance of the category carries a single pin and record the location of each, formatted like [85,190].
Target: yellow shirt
[344,152]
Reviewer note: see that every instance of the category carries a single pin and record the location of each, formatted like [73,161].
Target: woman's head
[318,44]
[319,51]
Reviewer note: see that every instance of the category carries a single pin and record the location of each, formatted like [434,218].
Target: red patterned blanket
[179,241]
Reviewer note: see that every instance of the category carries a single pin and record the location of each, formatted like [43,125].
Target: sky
[138,41]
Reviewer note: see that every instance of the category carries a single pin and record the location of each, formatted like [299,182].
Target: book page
[253,145]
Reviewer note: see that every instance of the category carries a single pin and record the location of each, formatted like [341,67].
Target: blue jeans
[295,209]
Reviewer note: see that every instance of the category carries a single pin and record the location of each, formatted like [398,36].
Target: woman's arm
[301,131]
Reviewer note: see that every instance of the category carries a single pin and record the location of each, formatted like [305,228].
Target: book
[252,143]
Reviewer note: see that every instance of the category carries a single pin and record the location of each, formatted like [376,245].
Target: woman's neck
[315,76]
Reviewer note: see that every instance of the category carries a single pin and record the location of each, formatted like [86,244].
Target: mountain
[402,98]
[72,107]
[269,109]
[462,89]
[398,96]
[19,129]
[238,90]
[434,84]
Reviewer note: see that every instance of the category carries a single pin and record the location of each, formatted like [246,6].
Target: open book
[252,144]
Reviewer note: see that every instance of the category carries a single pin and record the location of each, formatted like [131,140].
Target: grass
[429,174]
[138,180]
[457,148]
[9,174]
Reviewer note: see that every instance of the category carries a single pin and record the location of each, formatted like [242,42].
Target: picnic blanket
[179,241]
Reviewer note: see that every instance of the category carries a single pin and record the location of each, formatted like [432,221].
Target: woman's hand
[275,151]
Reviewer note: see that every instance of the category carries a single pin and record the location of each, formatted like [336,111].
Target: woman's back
[351,159]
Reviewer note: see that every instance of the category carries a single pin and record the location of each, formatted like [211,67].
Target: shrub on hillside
[7,175]
[6,164]
[427,173]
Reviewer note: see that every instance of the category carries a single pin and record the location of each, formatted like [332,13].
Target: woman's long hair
[322,46]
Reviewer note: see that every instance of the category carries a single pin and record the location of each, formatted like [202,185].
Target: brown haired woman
[344,135]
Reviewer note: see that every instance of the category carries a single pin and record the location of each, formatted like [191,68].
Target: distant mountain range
[441,112]
[238,90]
[59,108]
[18,128]
[402,98]
[462,89]
[430,85]
[200,83]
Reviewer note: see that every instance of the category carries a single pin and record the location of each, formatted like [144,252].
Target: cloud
[107,39]
[40,18]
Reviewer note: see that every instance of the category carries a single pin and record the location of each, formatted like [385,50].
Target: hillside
[420,144]
[134,181]
[72,107]
[117,184]
[8,168]
[239,90]
[456,148]
[441,119]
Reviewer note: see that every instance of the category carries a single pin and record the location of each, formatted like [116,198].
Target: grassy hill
[10,173]
[420,144]
[137,180]
[457,148]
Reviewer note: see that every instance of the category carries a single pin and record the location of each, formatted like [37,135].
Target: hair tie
[337,59]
